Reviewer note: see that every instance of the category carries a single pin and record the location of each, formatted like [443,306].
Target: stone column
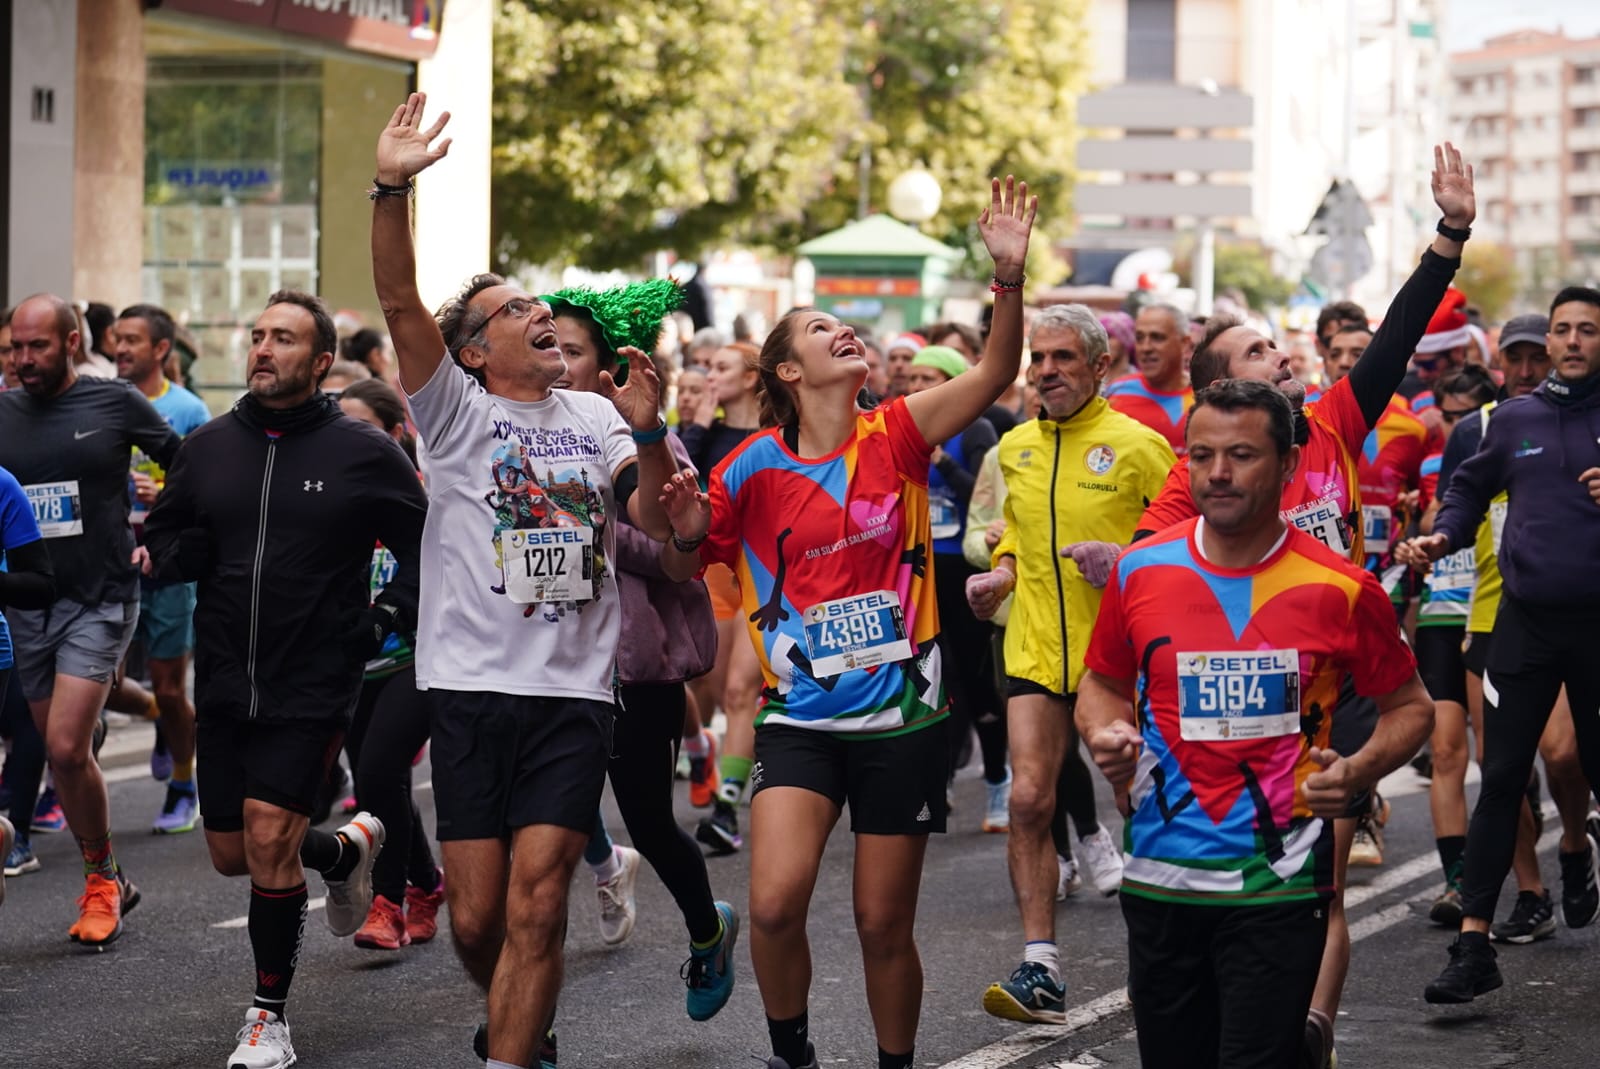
[108,175]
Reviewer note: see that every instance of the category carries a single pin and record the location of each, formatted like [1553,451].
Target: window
[1585,75]
[1585,162]
[1152,40]
[1585,204]
[1587,118]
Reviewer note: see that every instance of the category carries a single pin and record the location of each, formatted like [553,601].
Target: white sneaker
[1103,860]
[617,907]
[1067,879]
[263,1042]
[8,838]
[997,811]
[350,899]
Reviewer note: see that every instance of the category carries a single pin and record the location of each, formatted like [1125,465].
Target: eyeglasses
[516,308]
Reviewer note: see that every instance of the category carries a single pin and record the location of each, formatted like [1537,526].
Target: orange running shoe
[422,912]
[703,774]
[385,928]
[100,912]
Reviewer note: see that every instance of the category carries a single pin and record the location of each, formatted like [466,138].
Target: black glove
[364,632]
[194,554]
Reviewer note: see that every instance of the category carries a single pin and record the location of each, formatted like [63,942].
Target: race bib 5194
[1252,694]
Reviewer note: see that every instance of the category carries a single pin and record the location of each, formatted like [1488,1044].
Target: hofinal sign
[404,29]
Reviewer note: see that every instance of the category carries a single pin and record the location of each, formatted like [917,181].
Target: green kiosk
[881,273]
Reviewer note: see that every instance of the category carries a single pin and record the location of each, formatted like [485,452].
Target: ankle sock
[328,853]
[1045,953]
[789,1038]
[183,785]
[695,745]
[183,770]
[735,773]
[277,923]
[896,1061]
[97,858]
[607,870]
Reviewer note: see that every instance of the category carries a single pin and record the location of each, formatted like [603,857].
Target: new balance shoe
[1103,860]
[720,831]
[47,815]
[20,860]
[422,911]
[776,1062]
[1472,972]
[997,807]
[178,813]
[8,841]
[709,973]
[1068,881]
[1446,909]
[1030,995]
[160,757]
[1580,885]
[100,911]
[618,909]
[350,900]
[385,927]
[703,773]
[263,1042]
[1533,917]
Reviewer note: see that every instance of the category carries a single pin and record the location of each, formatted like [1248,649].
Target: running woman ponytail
[778,408]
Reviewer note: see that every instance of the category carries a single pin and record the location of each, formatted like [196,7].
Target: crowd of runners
[535,546]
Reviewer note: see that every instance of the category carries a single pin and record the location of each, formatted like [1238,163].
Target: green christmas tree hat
[626,315]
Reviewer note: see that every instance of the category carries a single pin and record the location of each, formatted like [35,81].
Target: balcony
[1583,182]
[1583,137]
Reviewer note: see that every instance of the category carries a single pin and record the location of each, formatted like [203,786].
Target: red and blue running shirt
[1159,410]
[1390,464]
[1323,499]
[1235,674]
[835,566]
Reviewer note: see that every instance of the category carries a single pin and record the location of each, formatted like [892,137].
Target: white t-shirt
[519,495]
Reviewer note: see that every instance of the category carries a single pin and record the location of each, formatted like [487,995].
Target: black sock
[1452,848]
[895,1061]
[328,854]
[277,923]
[789,1039]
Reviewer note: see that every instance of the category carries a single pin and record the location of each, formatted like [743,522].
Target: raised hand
[1452,187]
[1422,551]
[1005,225]
[688,508]
[404,147]
[639,401]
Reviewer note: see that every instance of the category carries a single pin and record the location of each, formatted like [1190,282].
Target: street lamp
[914,196]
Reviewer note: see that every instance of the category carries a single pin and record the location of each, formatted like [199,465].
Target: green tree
[1249,267]
[1488,276]
[625,128]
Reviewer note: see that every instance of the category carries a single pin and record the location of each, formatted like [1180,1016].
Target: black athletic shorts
[1440,662]
[507,761]
[1017,687]
[280,762]
[1475,655]
[1355,718]
[895,786]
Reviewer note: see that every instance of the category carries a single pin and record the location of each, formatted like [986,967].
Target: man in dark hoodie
[274,510]
[1544,450]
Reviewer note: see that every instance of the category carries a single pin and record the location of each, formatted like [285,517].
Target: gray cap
[1531,327]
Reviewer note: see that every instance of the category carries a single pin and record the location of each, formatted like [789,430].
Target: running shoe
[720,831]
[1580,885]
[263,1042]
[547,1049]
[703,773]
[1068,881]
[178,813]
[350,899]
[47,815]
[8,841]
[1319,1041]
[1446,909]
[385,928]
[1103,860]
[1367,848]
[422,911]
[997,808]
[1471,972]
[100,912]
[709,973]
[618,909]
[1591,824]
[131,895]
[160,757]
[776,1062]
[20,860]
[1030,995]
[1533,917]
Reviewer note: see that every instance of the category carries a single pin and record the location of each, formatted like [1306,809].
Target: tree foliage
[622,129]
[1488,276]
[1248,267]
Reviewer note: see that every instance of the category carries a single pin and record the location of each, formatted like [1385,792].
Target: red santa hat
[1448,328]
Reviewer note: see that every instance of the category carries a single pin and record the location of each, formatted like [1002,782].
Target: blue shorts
[166,621]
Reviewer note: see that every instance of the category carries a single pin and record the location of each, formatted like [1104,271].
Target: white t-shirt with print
[495,466]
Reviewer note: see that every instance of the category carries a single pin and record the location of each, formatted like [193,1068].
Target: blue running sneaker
[709,972]
[20,860]
[1030,995]
[47,815]
[178,814]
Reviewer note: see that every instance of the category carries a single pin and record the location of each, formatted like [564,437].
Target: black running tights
[390,726]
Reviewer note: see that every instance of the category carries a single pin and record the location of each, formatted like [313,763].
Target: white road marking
[240,922]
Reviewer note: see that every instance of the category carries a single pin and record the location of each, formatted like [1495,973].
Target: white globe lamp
[914,196]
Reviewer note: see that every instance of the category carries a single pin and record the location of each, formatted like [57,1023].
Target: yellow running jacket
[1087,479]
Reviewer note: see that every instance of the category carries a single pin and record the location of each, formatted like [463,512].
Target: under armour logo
[314,485]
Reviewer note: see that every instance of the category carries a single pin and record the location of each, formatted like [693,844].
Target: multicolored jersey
[1160,410]
[1231,694]
[1447,591]
[1323,500]
[835,566]
[1390,464]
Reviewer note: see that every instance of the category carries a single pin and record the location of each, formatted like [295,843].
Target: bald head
[44,335]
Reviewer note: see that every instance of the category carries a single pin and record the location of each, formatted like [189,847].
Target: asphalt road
[171,992]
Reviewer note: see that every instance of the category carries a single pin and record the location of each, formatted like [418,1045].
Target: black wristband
[686,545]
[1446,230]
[379,189]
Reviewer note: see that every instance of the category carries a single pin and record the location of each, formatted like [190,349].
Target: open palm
[1006,224]
[404,147]
[1452,186]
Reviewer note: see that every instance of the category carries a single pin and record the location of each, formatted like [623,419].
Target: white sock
[607,870]
[1046,954]
[495,1063]
[695,745]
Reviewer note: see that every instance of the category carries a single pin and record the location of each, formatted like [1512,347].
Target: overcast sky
[1469,22]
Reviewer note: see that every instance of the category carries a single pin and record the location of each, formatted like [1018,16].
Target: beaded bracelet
[379,189]
[652,436]
[686,547]
[997,286]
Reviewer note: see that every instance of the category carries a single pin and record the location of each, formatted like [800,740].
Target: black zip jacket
[275,514]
